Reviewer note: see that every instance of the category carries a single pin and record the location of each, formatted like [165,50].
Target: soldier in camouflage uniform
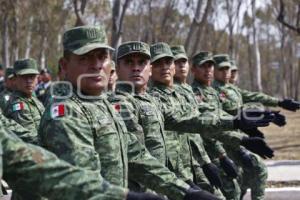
[232,99]
[88,132]
[255,175]
[214,148]
[9,84]
[23,107]
[234,73]
[133,68]
[43,174]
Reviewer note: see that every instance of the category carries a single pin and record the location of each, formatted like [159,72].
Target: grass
[285,140]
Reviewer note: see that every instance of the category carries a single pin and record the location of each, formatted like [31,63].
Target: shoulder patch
[58,110]
[18,106]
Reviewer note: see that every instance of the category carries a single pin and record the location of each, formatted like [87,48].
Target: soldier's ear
[63,63]
[150,74]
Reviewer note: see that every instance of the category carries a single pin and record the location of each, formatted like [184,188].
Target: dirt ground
[285,140]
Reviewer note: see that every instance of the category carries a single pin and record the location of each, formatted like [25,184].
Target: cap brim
[234,68]
[132,52]
[27,71]
[155,58]
[224,64]
[89,47]
[10,76]
[205,61]
[180,56]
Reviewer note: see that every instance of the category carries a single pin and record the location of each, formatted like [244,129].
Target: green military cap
[233,65]
[26,66]
[9,73]
[202,57]
[160,50]
[222,60]
[133,47]
[179,52]
[83,39]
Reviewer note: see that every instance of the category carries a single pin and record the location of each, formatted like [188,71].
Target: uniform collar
[163,87]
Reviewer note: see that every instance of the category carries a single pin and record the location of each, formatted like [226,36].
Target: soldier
[255,174]
[43,174]
[23,107]
[112,78]
[134,69]
[234,73]
[85,130]
[214,148]
[9,85]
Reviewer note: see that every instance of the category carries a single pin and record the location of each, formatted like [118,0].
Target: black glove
[229,167]
[254,133]
[249,119]
[199,194]
[289,104]
[142,196]
[258,146]
[246,158]
[279,119]
[212,173]
[193,185]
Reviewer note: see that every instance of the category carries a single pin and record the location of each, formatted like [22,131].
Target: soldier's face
[222,75]
[26,83]
[204,73]
[181,69]
[112,77]
[135,68]
[234,76]
[163,71]
[88,72]
[10,82]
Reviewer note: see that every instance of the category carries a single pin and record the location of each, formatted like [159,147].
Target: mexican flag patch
[18,106]
[58,110]
[117,107]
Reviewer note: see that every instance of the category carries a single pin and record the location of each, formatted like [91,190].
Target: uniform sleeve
[29,136]
[147,170]
[260,97]
[208,126]
[31,168]
[198,150]
[214,148]
[70,137]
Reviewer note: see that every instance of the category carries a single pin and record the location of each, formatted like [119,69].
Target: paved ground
[284,170]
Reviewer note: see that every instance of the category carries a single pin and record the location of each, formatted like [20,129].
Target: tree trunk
[28,38]
[258,84]
[5,40]
[118,14]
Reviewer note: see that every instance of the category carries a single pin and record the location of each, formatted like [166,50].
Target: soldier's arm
[260,97]
[194,122]
[198,150]
[30,170]
[147,170]
[69,136]
[26,135]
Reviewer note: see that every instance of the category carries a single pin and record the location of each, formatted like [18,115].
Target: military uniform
[91,134]
[256,176]
[43,174]
[26,111]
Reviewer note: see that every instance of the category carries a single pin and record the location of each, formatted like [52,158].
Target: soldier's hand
[254,132]
[199,194]
[258,146]
[289,104]
[279,119]
[229,167]
[193,185]
[212,173]
[142,196]
[246,158]
[249,119]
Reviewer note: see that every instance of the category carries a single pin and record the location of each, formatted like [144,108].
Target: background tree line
[263,36]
